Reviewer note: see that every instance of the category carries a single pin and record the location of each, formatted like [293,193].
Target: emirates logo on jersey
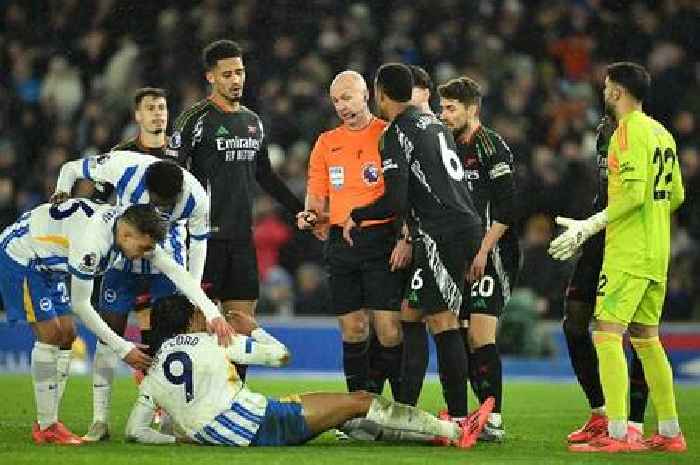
[370,173]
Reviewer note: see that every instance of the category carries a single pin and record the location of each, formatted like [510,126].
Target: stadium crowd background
[69,69]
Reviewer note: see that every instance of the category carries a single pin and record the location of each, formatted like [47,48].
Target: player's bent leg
[452,361]
[414,360]
[488,371]
[354,327]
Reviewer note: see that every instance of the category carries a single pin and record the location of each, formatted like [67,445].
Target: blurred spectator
[70,67]
[61,90]
[269,236]
[313,295]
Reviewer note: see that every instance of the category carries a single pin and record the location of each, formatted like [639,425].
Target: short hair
[148,92]
[421,78]
[395,80]
[147,220]
[170,316]
[164,178]
[632,76]
[463,89]
[220,50]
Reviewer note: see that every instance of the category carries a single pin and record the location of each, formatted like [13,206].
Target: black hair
[421,78]
[148,92]
[463,89]
[147,220]
[220,50]
[395,80]
[631,76]
[164,178]
[170,316]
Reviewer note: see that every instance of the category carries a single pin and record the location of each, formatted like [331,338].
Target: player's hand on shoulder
[223,331]
[138,359]
[59,197]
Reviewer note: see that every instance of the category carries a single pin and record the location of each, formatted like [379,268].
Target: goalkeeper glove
[577,232]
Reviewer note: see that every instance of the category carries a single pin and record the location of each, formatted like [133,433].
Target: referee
[366,286]
[223,144]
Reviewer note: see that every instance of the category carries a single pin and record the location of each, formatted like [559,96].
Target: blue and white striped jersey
[73,237]
[127,171]
[195,381]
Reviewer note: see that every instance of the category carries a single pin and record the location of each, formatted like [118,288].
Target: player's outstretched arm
[193,291]
[138,426]
[259,349]
[81,291]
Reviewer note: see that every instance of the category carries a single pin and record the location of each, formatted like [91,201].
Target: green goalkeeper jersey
[642,150]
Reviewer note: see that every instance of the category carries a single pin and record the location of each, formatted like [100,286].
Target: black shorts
[490,295]
[232,270]
[437,274]
[360,276]
[584,283]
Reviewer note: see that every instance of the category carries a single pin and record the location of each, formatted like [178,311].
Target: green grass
[538,417]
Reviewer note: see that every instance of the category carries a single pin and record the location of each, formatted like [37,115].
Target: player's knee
[440,322]
[389,334]
[479,338]
[354,326]
[643,331]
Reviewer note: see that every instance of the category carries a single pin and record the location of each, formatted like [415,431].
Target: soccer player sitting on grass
[195,381]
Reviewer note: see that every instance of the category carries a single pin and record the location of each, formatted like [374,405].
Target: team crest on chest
[370,173]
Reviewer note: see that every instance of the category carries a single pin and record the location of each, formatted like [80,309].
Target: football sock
[659,377]
[62,372]
[356,365]
[404,417]
[614,379]
[44,377]
[452,366]
[414,361]
[362,429]
[388,363]
[488,374]
[103,367]
[639,391]
[584,361]
[377,373]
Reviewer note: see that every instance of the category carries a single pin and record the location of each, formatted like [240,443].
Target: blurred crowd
[70,68]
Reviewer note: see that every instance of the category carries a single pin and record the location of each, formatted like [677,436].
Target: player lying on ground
[195,381]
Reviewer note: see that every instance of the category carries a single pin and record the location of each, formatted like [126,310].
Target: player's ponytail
[170,316]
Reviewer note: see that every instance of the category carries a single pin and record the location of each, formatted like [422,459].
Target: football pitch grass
[538,416]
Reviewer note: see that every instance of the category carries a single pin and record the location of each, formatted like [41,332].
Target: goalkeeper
[644,188]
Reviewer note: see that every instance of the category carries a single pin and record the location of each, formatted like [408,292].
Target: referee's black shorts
[232,270]
[584,283]
[360,275]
